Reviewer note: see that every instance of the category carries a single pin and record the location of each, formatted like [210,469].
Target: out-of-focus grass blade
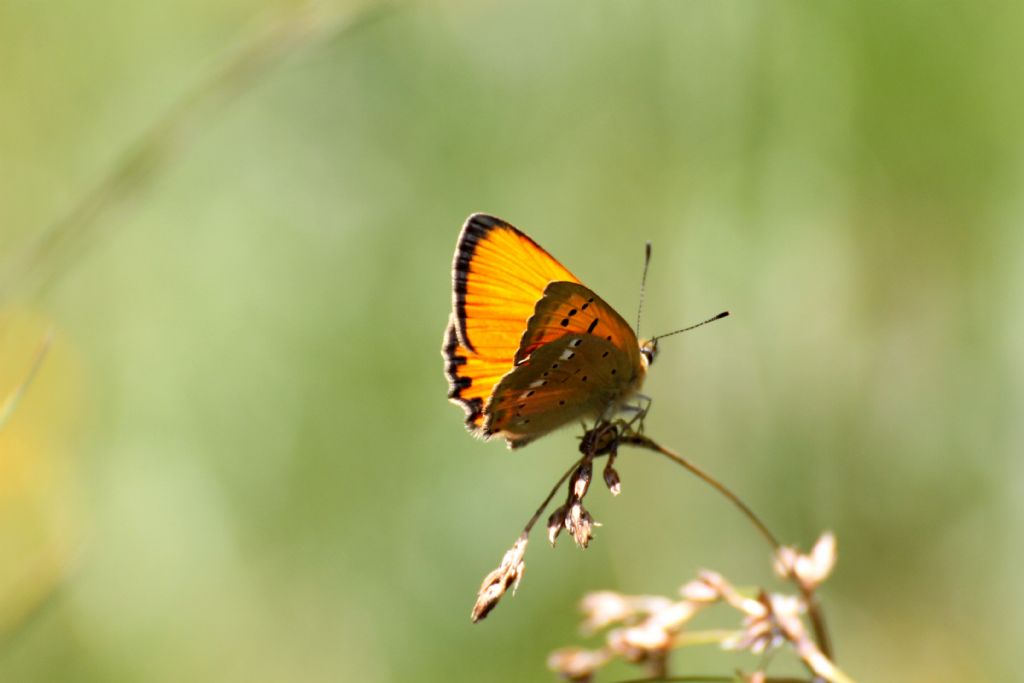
[42,258]
[14,398]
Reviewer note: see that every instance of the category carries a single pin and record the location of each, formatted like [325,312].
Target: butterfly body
[528,347]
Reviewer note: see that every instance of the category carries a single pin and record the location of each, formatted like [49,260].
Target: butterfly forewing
[499,274]
[471,377]
[575,376]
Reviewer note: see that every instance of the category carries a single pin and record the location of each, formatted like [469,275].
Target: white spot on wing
[537,383]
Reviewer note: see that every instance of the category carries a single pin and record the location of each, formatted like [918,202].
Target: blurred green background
[237,462]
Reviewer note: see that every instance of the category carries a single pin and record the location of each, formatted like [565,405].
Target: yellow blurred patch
[40,520]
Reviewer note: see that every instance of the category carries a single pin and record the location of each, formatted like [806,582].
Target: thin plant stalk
[813,608]
[547,501]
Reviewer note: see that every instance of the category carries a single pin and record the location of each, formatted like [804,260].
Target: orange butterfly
[528,347]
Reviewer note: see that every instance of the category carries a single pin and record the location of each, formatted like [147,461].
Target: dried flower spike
[580,481]
[556,522]
[577,664]
[580,524]
[496,584]
[810,570]
[760,630]
[604,608]
[699,590]
[611,479]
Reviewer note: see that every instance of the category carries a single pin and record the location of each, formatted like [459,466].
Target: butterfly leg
[639,410]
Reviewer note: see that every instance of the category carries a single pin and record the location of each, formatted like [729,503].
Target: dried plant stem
[644,442]
[554,490]
[708,637]
[817,618]
[814,612]
[509,573]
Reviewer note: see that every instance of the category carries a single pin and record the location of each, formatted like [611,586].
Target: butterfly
[529,348]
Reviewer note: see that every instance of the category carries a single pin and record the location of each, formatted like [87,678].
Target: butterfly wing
[576,376]
[471,378]
[498,276]
[571,308]
[528,348]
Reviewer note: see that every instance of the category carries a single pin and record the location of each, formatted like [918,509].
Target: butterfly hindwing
[571,308]
[575,376]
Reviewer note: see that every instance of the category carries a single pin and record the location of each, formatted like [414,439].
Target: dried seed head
[811,570]
[717,583]
[640,643]
[604,608]
[786,610]
[621,646]
[647,637]
[611,480]
[556,522]
[577,664]
[672,617]
[580,481]
[777,622]
[580,524]
[700,591]
[507,575]
[819,564]
[785,561]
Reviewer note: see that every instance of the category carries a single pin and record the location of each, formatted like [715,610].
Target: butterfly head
[649,349]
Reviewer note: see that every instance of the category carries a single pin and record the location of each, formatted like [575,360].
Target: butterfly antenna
[721,315]
[643,286]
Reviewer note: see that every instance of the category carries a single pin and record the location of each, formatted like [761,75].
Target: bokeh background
[237,462]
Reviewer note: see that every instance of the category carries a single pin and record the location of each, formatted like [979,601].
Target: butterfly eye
[649,349]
